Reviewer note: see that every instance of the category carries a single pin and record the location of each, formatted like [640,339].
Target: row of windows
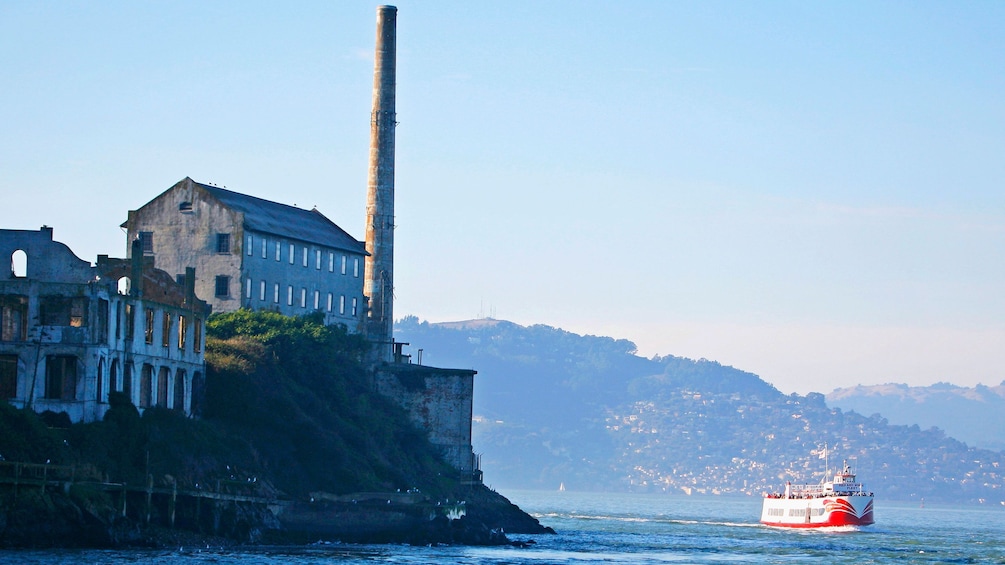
[181,327]
[61,378]
[72,311]
[342,262]
[147,242]
[223,247]
[291,295]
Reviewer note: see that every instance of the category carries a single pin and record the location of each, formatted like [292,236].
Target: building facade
[254,253]
[439,401]
[70,332]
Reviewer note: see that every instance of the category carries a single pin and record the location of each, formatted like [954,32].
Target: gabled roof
[287,221]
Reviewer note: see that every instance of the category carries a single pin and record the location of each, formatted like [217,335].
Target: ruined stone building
[253,253]
[70,332]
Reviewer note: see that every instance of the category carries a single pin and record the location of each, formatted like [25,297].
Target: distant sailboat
[561,487]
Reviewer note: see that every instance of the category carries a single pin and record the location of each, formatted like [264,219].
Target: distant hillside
[972,415]
[555,407]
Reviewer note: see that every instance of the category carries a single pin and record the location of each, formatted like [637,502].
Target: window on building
[195,401]
[8,376]
[279,247]
[113,376]
[19,264]
[329,302]
[289,296]
[148,334]
[305,256]
[163,375]
[63,310]
[247,288]
[182,331]
[353,306]
[13,313]
[61,377]
[251,245]
[275,293]
[222,286]
[179,390]
[341,304]
[317,259]
[261,291]
[165,329]
[223,243]
[185,206]
[197,335]
[100,383]
[317,299]
[118,320]
[265,248]
[343,264]
[101,329]
[147,242]
[130,321]
[78,312]
[355,267]
[303,298]
[127,381]
[331,261]
[293,254]
[146,386]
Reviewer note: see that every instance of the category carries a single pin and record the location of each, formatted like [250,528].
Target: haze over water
[632,528]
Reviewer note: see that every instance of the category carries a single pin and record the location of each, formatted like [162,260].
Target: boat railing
[822,490]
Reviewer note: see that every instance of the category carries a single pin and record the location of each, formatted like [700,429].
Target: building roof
[287,221]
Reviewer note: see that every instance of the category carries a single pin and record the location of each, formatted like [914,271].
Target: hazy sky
[810,191]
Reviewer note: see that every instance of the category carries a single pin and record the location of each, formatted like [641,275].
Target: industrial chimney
[379,266]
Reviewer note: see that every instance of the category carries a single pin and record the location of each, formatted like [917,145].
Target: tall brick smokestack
[379,272]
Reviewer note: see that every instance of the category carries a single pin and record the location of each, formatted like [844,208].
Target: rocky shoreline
[77,518]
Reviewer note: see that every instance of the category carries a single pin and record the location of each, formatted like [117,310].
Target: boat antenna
[825,455]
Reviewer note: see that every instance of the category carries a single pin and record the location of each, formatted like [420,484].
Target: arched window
[113,376]
[19,264]
[179,390]
[127,382]
[123,285]
[146,386]
[100,393]
[198,390]
[162,386]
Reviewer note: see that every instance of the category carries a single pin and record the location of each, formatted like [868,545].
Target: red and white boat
[841,502]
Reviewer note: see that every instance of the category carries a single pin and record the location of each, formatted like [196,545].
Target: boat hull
[819,512]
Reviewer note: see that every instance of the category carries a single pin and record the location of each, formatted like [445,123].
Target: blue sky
[811,191]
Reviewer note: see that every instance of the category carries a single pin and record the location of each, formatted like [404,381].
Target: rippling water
[619,528]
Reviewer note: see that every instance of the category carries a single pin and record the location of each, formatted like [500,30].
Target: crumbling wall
[438,401]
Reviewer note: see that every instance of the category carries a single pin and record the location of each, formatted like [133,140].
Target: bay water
[637,528]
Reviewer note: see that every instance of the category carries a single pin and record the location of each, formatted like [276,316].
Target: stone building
[253,253]
[438,401]
[71,332]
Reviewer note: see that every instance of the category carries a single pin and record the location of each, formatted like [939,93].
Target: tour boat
[841,502]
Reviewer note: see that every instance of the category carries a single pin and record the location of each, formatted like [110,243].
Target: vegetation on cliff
[297,392]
